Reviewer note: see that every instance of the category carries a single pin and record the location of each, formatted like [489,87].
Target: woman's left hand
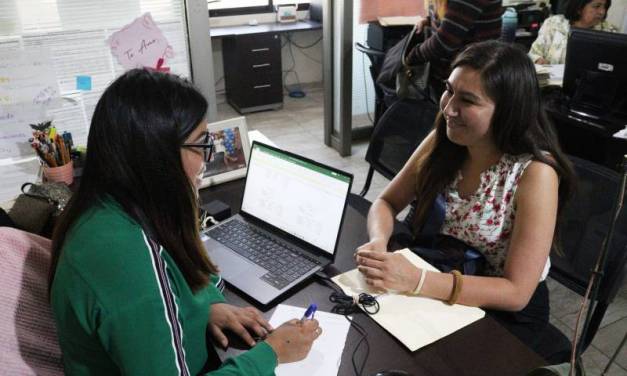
[389,271]
[241,321]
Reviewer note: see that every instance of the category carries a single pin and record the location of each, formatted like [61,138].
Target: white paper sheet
[399,20]
[414,320]
[16,172]
[555,73]
[27,76]
[326,353]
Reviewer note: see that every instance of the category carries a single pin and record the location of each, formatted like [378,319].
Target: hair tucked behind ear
[519,124]
[134,158]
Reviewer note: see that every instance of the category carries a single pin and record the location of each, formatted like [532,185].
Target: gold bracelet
[457,287]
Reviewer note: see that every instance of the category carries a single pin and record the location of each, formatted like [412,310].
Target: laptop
[288,226]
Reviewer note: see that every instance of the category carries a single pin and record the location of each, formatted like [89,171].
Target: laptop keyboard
[284,264]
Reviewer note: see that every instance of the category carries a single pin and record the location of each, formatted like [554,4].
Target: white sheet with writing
[416,321]
[326,353]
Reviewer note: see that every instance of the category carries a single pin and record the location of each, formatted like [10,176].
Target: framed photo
[231,151]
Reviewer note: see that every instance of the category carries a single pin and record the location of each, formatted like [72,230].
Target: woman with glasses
[550,45]
[131,287]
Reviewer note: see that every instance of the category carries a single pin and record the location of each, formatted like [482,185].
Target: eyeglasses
[206,145]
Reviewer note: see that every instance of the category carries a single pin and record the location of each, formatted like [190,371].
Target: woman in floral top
[550,46]
[495,158]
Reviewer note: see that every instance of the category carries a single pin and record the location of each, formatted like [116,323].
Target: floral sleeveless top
[484,219]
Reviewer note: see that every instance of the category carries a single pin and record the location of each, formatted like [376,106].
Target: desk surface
[219,32]
[482,348]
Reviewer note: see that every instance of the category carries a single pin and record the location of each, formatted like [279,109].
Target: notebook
[288,226]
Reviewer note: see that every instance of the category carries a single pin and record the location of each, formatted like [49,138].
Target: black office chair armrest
[369,51]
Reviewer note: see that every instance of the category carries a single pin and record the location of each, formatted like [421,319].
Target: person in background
[455,24]
[496,161]
[550,45]
[132,289]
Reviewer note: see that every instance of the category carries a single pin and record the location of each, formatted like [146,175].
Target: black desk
[252,63]
[585,138]
[482,348]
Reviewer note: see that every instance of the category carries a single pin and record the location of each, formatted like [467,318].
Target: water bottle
[509,25]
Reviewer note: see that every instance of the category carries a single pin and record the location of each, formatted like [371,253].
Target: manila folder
[416,321]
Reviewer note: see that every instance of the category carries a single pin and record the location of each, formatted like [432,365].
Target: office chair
[585,223]
[28,336]
[396,135]
[376,60]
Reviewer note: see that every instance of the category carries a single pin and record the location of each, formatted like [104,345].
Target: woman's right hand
[541,61]
[292,341]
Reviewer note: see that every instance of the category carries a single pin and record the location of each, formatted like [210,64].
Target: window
[218,8]
[232,4]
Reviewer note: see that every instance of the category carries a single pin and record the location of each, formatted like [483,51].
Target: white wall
[308,62]
[618,14]
[363,87]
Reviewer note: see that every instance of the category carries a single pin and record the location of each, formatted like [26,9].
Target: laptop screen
[298,196]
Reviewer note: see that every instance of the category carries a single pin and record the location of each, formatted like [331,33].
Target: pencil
[62,150]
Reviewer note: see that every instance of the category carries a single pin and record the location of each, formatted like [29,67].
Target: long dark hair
[574,7]
[134,157]
[519,124]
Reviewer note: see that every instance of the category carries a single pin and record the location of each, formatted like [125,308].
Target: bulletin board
[54,65]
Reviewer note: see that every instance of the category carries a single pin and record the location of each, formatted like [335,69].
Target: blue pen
[311,311]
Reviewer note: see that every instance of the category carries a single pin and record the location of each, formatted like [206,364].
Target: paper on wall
[140,44]
[27,76]
[416,321]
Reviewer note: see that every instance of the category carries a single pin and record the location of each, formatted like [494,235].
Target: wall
[363,87]
[307,63]
[618,14]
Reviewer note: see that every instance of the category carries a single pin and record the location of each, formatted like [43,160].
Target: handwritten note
[140,44]
[27,76]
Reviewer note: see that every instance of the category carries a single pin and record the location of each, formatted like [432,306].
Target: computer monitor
[595,75]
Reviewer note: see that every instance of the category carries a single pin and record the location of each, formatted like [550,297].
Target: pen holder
[63,174]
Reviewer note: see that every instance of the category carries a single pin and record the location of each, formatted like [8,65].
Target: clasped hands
[386,271]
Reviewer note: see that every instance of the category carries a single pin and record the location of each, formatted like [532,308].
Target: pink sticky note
[140,44]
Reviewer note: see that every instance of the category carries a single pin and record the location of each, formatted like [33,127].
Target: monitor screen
[297,195]
[595,74]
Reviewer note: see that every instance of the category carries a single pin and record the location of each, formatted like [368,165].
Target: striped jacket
[122,306]
[464,22]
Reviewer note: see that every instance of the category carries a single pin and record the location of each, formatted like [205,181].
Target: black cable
[363,66]
[345,305]
[289,38]
[299,93]
[364,339]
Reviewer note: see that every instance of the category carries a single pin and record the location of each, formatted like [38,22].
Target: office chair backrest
[585,224]
[28,338]
[398,133]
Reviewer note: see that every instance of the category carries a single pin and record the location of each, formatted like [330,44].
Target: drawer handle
[260,49]
[261,65]
[261,86]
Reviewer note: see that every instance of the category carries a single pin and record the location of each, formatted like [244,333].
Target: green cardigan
[122,306]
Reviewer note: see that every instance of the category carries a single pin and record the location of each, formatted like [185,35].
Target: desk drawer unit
[252,72]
